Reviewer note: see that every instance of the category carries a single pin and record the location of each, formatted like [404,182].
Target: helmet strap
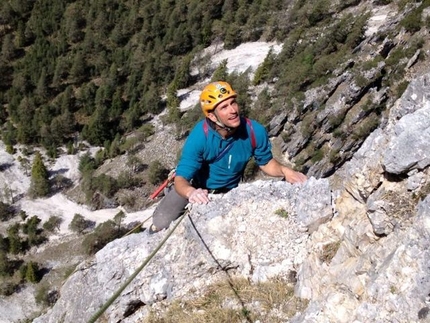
[220,124]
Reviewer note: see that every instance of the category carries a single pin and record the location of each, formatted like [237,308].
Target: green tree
[39,185]
[151,99]
[98,129]
[119,217]
[31,229]
[26,133]
[232,36]
[42,87]
[31,272]
[221,73]
[7,13]
[87,163]
[174,114]
[8,47]
[79,69]
[60,72]
[74,19]
[15,243]
[5,264]
[4,245]
[263,71]
[134,162]
[182,75]
[9,134]
[261,109]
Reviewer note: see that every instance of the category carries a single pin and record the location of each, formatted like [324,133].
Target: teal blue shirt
[200,151]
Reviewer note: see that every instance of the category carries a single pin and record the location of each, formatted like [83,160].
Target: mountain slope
[357,245]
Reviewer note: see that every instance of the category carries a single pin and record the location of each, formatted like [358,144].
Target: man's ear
[212,117]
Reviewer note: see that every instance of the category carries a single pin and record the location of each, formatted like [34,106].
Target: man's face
[227,112]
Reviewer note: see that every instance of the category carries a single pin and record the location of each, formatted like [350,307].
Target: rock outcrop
[373,216]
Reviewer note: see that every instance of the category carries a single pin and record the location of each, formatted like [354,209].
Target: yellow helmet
[215,93]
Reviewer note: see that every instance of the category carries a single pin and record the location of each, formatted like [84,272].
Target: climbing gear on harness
[168,181]
[213,94]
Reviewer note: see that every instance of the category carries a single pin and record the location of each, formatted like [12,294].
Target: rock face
[373,216]
[228,232]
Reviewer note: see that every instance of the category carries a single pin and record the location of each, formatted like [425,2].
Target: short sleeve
[192,153]
[263,149]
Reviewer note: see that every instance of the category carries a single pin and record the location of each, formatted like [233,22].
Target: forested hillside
[98,71]
[94,68]
[82,73]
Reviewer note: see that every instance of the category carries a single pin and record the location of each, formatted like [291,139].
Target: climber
[215,155]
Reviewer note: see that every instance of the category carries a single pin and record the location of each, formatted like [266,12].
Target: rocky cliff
[355,245]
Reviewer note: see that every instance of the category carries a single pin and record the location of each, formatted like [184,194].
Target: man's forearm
[192,194]
[275,169]
[183,187]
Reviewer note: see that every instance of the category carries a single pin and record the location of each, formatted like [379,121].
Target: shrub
[412,22]
[318,155]
[382,2]
[282,213]
[6,212]
[60,182]
[45,297]
[365,127]
[401,88]
[10,149]
[211,305]
[145,131]
[16,245]
[335,120]
[8,288]
[79,224]
[53,223]
[348,3]
[103,234]
[127,180]
[157,172]
[106,184]
[86,163]
[23,215]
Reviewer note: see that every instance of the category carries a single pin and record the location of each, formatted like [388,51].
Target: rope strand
[136,272]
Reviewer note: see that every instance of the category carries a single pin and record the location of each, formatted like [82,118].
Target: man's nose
[232,107]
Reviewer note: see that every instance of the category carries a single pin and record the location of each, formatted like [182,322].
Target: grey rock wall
[240,230]
[376,222]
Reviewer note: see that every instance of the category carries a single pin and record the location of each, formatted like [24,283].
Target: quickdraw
[168,181]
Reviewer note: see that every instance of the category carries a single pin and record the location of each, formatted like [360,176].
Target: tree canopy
[95,67]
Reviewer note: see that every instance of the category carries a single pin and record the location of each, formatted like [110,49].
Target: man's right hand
[199,196]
